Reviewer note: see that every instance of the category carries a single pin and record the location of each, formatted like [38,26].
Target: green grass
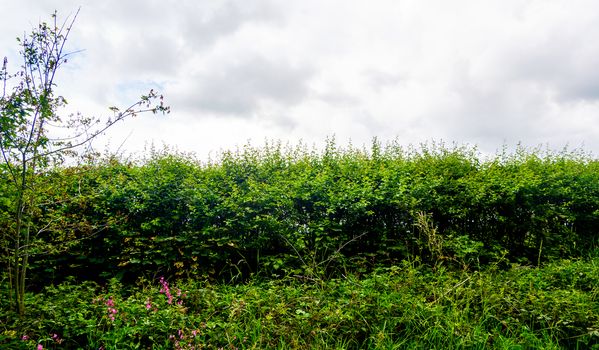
[409,306]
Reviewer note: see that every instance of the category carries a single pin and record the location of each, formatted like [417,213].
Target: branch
[341,248]
[296,252]
[2,149]
[11,170]
[121,116]
[59,56]
[64,245]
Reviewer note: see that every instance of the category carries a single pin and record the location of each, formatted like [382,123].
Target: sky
[489,74]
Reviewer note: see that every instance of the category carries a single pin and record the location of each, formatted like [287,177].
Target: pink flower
[56,338]
[148,304]
[110,302]
[165,289]
[40,347]
[25,337]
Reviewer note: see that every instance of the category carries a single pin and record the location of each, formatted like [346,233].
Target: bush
[275,211]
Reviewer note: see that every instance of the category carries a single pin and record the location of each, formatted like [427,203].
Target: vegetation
[278,247]
[269,211]
[408,306]
[285,247]
[34,137]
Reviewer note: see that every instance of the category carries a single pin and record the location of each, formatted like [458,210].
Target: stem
[24,274]
[19,273]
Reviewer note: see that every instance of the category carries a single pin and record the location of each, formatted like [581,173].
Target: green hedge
[277,210]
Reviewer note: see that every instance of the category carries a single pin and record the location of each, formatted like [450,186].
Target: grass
[409,306]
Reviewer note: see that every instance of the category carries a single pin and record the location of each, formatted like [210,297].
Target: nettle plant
[30,119]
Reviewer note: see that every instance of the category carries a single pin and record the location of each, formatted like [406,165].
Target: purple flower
[25,337]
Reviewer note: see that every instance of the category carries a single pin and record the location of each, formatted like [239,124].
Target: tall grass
[408,306]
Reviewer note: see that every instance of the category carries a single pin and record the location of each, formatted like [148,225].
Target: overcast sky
[486,73]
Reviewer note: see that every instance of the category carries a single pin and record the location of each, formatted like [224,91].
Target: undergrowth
[407,306]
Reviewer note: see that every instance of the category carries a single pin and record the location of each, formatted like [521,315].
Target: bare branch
[94,134]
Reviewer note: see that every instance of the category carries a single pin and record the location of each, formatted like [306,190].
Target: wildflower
[148,304]
[111,308]
[40,347]
[56,338]
[25,337]
[111,312]
[166,290]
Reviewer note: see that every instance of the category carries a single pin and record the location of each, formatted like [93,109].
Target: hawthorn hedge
[281,210]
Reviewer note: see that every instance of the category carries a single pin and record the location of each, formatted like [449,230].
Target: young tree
[34,137]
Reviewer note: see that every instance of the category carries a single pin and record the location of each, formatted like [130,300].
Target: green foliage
[278,211]
[405,306]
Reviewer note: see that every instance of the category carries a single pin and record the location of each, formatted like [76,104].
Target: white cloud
[466,71]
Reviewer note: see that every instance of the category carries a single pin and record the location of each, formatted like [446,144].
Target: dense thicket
[277,210]
[401,307]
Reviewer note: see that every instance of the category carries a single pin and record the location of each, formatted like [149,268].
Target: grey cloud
[379,80]
[490,114]
[156,38]
[153,55]
[519,90]
[202,26]
[239,88]
[510,115]
[564,62]
[339,98]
